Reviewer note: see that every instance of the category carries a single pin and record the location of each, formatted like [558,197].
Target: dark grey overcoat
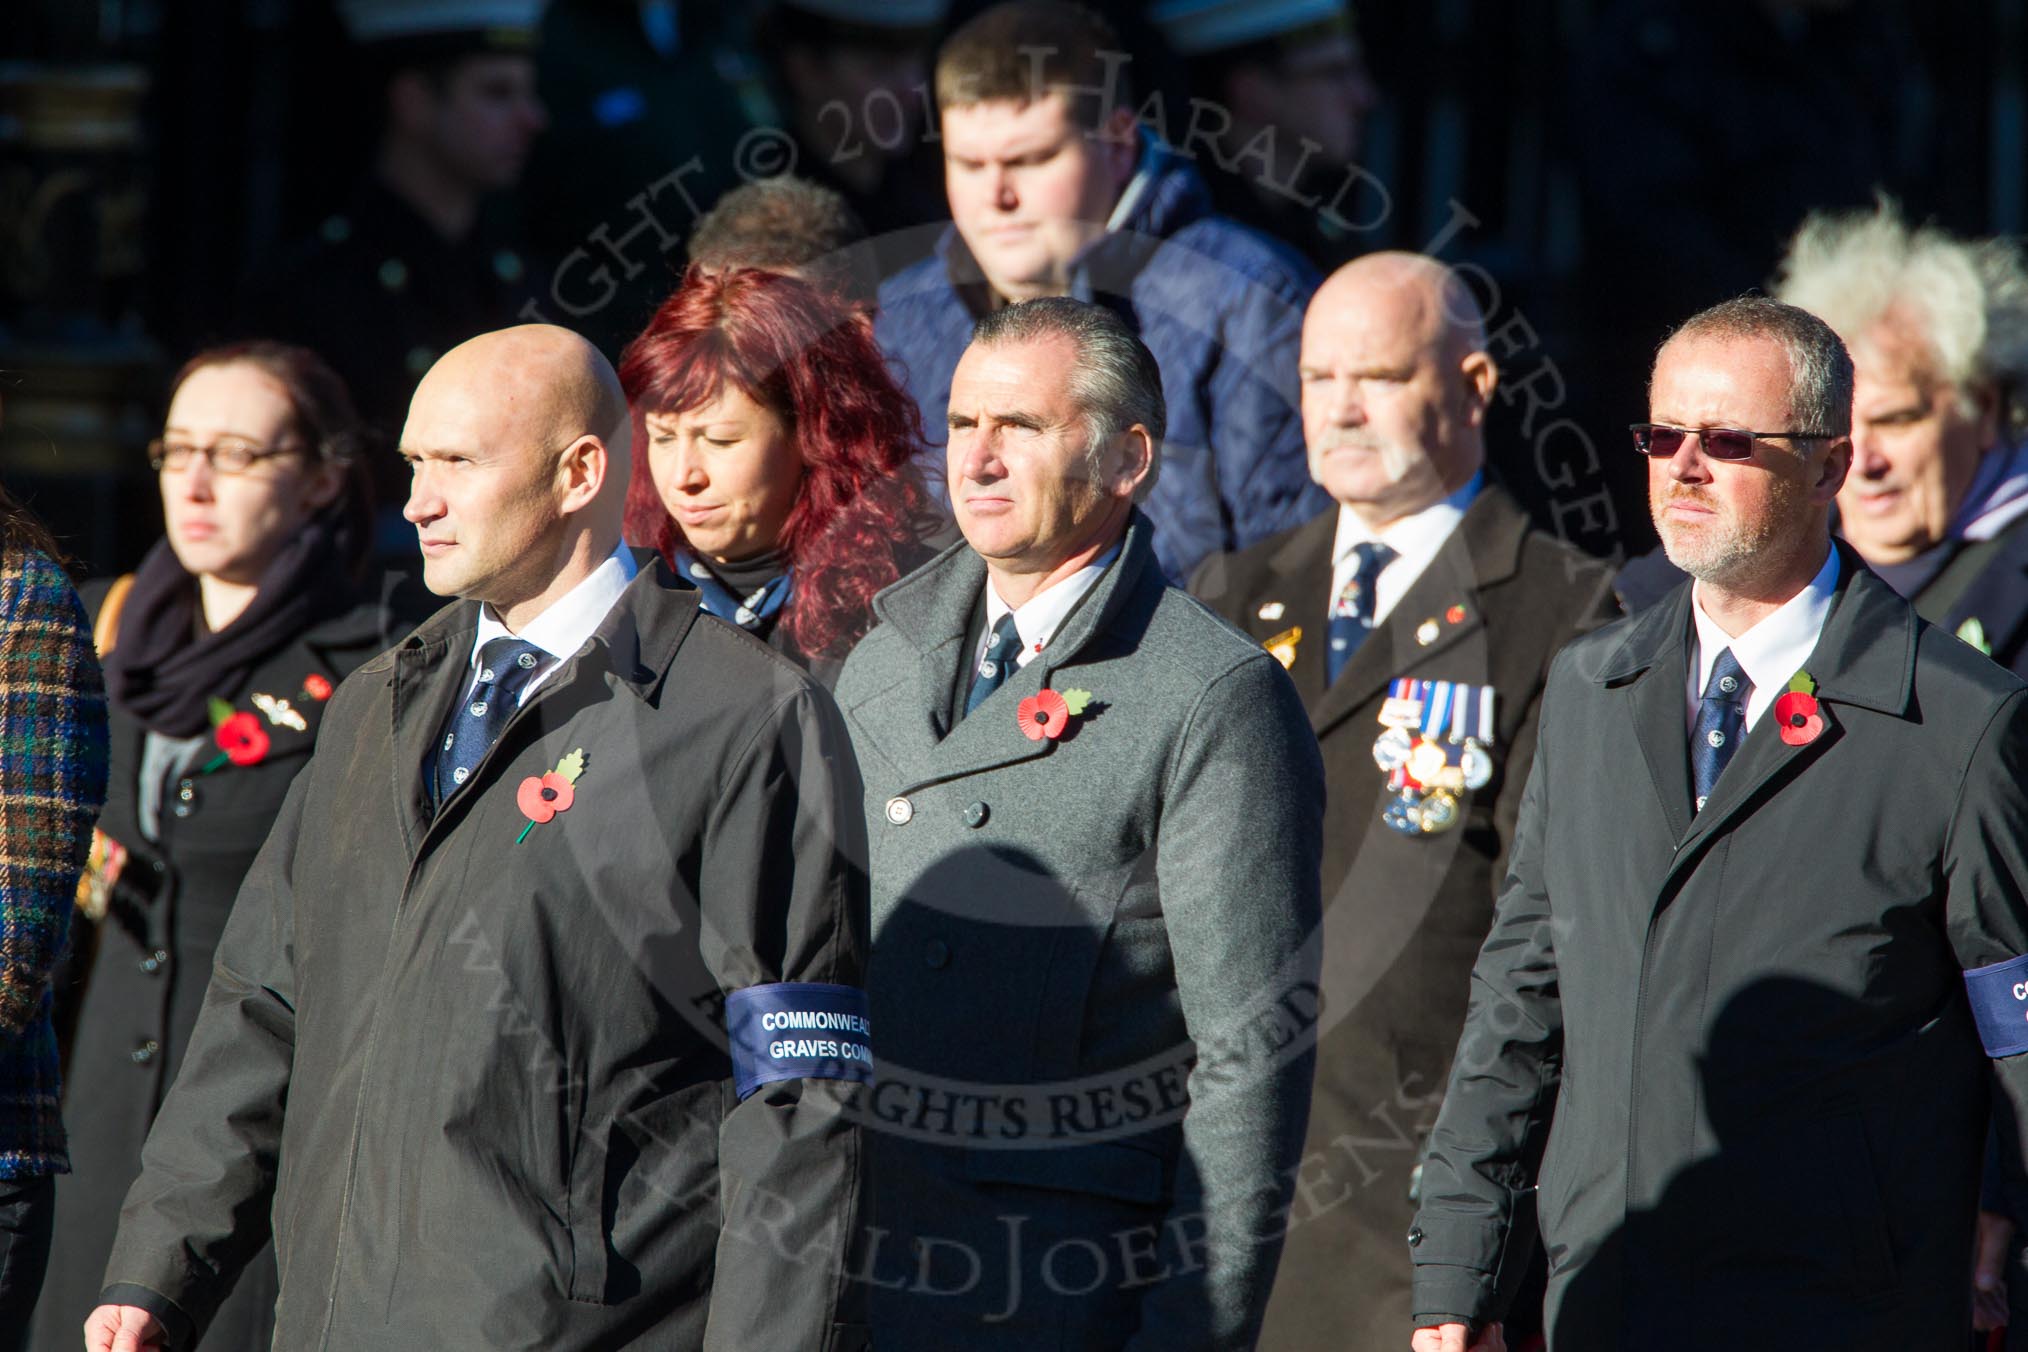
[1749,1027]
[482,1086]
[1061,928]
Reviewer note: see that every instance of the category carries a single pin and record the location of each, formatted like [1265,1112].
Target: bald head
[519,441]
[1395,382]
[534,382]
[1412,293]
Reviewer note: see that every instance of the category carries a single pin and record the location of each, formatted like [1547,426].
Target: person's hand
[1457,1338]
[1994,1240]
[122,1328]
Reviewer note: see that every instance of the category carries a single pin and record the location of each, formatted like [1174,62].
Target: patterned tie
[1352,612]
[998,663]
[1721,723]
[506,666]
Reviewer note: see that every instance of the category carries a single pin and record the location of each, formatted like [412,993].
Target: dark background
[1608,166]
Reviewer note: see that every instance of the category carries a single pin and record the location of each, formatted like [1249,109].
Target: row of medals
[1427,777]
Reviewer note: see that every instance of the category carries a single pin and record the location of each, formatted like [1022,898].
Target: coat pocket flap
[1103,1168]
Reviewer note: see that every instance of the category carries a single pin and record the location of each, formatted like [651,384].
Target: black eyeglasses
[1661,442]
[225,456]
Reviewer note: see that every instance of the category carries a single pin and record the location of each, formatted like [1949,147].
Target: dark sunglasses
[1661,441]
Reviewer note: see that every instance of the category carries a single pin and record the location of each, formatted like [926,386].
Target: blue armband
[796,1030]
[2000,1005]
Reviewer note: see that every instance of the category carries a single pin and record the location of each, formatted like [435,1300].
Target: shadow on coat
[1818,1203]
[1034,1227]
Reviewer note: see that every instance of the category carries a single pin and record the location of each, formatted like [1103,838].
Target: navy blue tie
[506,666]
[1352,609]
[998,663]
[1721,723]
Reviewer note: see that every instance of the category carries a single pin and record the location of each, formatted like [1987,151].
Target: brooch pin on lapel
[316,687]
[541,797]
[1974,633]
[1283,645]
[279,712]
[1047,713]
[1273,610]
[1798,717]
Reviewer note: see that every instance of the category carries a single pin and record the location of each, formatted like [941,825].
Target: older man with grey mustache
[1424,600]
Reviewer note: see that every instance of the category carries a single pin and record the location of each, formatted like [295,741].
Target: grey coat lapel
[931,610]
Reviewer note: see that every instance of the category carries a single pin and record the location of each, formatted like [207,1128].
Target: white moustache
[1397,462]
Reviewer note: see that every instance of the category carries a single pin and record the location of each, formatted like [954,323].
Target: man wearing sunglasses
[1937,500]
[1757,968]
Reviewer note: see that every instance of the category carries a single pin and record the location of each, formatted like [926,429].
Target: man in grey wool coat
[1095,815]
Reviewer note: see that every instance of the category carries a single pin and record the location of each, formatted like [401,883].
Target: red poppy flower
[1043,714]
[541,797]
[317,686]
[242,738]
[1798,718]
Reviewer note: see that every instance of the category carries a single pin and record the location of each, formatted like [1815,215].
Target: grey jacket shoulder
[1194,642]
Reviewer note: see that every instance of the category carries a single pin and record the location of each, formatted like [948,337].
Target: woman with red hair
[773,462]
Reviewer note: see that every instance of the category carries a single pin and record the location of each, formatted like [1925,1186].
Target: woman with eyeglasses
[774,460]
[220,651]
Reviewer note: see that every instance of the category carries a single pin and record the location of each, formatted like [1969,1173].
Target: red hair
[812,362]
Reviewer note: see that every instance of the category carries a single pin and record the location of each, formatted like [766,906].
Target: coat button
[1414,1236]
[145,1053]
[186,792]
[183,809]
[900,810]
[975,815]
[155,961]
[936,953]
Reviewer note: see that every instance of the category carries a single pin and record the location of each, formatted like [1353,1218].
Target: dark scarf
[165,667]
[747,592]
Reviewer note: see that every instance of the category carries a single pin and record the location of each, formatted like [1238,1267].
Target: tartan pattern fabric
[53,744]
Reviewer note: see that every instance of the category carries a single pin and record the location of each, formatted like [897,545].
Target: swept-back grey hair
[1820,369]
[1967,297]
[1115,380]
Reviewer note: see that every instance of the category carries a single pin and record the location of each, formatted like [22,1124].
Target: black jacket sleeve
[1986,904]
[199,1210]
[784,895]
[1503,1085]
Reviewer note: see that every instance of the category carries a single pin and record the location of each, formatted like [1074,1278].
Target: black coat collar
[1865,658]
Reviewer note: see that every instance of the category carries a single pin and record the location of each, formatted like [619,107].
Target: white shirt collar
[1771,652]
[1415,540]
[563,628]
[1038,619]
